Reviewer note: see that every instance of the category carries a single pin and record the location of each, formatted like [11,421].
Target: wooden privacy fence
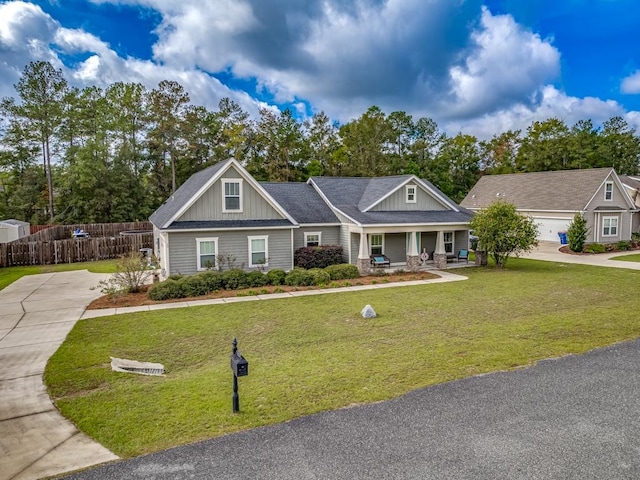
[61,232]
[72,250]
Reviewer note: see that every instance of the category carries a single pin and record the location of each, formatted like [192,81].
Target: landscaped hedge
[318,257]
[204,283]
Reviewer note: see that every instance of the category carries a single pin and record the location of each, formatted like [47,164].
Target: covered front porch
[411,249]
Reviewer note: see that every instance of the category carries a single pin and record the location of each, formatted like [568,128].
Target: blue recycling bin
[563,238]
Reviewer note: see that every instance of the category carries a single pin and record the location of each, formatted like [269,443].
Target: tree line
[70,155]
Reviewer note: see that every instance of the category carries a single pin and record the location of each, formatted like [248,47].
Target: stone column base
[413,262]
[481,258]
[440,261]
[364,266]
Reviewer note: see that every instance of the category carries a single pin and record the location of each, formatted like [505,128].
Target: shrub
[194,286]
[132,272]
[257,279]
[577,233]
[594,248]
[213,280]
[342,271]
[166,290]
[235,279]
[624,245]
[299,277]
[175,276]
[318,257]
[276,276]
[320,277]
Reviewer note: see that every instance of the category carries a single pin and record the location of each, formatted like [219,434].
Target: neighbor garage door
[548,228]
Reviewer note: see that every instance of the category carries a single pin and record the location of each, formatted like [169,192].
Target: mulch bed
[141,298]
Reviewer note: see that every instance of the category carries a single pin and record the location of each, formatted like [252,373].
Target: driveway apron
[36,314]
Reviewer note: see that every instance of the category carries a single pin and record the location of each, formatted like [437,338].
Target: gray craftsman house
[553,198]
[223,213]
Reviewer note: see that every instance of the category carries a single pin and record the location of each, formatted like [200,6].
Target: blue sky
[480,67]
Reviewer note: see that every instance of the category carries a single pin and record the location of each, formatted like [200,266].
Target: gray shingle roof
[351,195]
[568,190]
[301,201]
[183,195]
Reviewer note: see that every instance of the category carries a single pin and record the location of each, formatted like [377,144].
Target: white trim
[200,268]
[370,245]
[607,183]
[617,226]
[266,250]
[612,175]
[231,181]
[307,234]
[227,229]
[407,189]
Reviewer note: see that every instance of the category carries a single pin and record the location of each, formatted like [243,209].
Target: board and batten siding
[209,205]
[328,235]
[183,249]
[398,202]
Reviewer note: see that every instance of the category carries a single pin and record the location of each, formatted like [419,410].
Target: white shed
[13,230]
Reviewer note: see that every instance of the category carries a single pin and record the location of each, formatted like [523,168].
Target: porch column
[413,258]
[364,262]
[440,255]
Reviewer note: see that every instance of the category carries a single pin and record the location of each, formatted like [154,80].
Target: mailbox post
[240,368]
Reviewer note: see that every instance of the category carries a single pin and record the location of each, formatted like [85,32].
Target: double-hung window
[411,193]
[448,242]
[232,195]
[608,191]
[609,226]
[312,239]
[207,251]
[376,244]
[258,251]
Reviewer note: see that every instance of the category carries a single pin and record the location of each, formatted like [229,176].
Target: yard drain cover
[133,366]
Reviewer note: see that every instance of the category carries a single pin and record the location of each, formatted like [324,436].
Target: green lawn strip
[8,275]
[317,353]
[634,257]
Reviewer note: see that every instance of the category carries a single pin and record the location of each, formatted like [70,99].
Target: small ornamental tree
[577,233]
[502,231]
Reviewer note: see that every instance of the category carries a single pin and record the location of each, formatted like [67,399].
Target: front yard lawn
[634,257]
[317,353]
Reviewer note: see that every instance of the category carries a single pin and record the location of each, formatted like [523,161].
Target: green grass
[317,353]
[8,275]
[634,257]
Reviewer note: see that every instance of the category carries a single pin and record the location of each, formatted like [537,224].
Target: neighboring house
[632,185]
[223,213]
[11,230]
[553,198]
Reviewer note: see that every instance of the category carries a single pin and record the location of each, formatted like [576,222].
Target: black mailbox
[239,365]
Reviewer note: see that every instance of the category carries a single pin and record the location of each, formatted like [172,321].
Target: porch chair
[380,261]
[463,255]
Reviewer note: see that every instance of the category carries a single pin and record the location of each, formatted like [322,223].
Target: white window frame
[228,181]
[266,250]
[450,242]
[371,245]
[611,227]
[200,268]
[608,191]
[309,234]
[411,193]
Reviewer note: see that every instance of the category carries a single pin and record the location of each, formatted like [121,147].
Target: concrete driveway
[548,251]
[36,314]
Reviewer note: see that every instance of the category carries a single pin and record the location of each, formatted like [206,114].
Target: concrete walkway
[36,314]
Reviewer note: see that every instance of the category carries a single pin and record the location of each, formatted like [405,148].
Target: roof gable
[199,183]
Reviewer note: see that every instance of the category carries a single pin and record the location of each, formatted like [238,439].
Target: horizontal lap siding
[398,202]
[183,250]
[329,235]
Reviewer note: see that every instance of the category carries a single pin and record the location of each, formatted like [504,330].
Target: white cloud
[29,34]
[631,84]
